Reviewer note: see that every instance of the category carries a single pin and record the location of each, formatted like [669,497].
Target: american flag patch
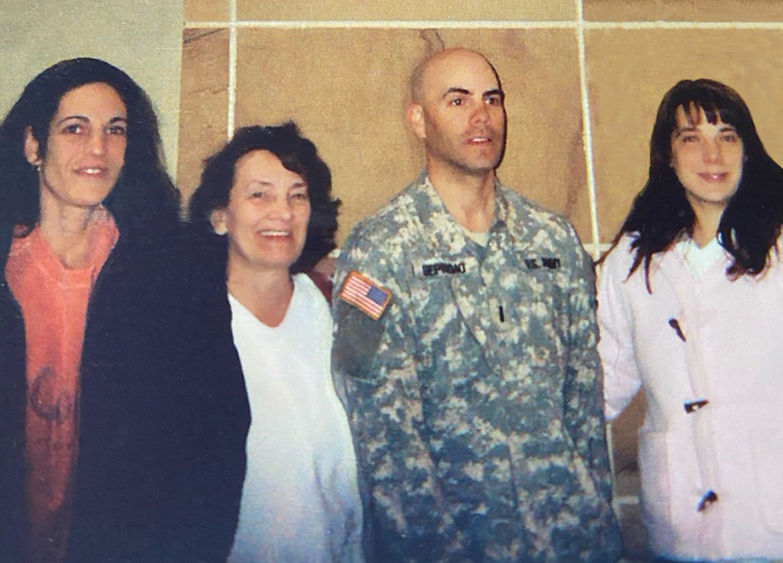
[362,293]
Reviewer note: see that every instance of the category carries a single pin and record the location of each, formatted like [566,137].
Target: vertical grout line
[232,68]
[596,252]
[587,138]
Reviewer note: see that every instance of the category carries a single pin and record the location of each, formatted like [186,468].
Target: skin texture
[84,157]
[85,150]
[458,113]
[707,158]
[266,222]
[267,214]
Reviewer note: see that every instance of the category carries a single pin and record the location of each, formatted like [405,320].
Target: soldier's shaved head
[420,74]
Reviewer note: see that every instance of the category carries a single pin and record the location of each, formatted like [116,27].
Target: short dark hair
[144,193]
[298,155]
[751,222]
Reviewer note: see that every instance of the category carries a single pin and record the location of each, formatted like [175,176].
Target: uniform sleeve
[621,376]
[375,369]
[583,393]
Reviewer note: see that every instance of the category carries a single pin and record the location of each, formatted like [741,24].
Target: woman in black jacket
[122,418]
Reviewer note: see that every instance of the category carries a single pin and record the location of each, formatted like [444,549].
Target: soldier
[465,346]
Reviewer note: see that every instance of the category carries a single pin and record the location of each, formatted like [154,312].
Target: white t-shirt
[698,259]
[300,500]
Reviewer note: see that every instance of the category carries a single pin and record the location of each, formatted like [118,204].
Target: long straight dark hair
[750,223]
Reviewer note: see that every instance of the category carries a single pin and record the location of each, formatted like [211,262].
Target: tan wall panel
[628,74]
[347,90]
[406,10]
[204,102]
[684,10]
[206,10]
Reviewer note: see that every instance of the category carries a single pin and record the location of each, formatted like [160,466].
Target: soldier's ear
[415,117]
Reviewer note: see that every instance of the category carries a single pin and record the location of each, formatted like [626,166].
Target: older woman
[690,301]
[105,393]
[268,195]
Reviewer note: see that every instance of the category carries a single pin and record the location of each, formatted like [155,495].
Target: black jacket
[163,413]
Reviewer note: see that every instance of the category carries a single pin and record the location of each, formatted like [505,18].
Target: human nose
[97,142]
[481,113]
[711,150]
[281,208]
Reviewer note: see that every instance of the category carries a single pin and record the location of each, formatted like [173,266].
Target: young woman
[690,300]
[267,194]
[114,441]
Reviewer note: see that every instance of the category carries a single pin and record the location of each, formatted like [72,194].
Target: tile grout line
[385,24]
[587,137]
[480,24]
[232,70]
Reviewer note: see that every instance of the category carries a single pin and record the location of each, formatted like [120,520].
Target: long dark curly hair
[144,195]
[298,155]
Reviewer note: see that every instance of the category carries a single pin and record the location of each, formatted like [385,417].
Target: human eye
[730,136]
[456,101]
[493,100]
[299,196]
[689,138]
[73,128]
[258,193]
[117,129]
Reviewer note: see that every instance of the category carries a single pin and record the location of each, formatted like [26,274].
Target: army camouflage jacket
[475,399]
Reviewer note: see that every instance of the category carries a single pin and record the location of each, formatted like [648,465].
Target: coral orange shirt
[53,300]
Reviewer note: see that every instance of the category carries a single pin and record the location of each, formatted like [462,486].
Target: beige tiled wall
[339,68]
[405,10]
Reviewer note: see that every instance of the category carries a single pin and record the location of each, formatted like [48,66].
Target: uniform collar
[442,226]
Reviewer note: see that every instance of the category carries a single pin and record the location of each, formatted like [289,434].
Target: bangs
[713,110]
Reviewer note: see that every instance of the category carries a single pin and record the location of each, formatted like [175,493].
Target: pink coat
[709,355]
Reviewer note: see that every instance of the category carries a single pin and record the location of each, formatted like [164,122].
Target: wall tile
[630,70]
[684,10]
[406,10]
[204,102]
[354,112]
[206,10]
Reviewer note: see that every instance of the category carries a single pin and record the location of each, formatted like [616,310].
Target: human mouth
[92,171]
[713,176]
[276,234]
[479,140]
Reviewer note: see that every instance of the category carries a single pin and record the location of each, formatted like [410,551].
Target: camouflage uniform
[479,431]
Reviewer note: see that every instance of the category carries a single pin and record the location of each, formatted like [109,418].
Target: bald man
[465,349]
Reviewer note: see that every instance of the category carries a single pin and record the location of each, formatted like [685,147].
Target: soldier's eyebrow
[456,90]
[466,92]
